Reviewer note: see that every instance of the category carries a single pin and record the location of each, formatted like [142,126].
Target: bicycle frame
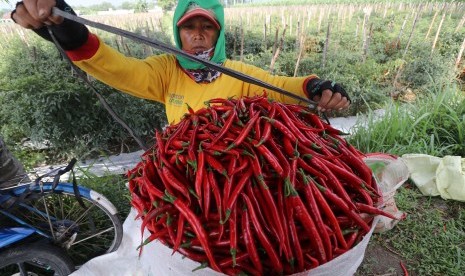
[11,235]
[47,186]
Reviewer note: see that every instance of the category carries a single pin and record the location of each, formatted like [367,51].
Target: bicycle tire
[76,230]
[39,258]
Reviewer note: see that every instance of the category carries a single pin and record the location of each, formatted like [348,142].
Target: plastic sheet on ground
[438,176]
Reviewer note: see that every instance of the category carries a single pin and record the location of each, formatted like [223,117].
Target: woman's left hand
[329,95]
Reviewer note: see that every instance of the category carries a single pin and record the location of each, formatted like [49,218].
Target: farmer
[175,81]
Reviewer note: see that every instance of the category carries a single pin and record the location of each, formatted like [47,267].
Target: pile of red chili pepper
[254,186]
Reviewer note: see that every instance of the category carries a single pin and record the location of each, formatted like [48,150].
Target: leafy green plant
[64,111]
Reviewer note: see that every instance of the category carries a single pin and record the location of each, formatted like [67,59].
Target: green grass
[434,125]
[113,187]
[431,240]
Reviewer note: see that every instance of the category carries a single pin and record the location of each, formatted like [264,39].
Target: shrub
[43,101]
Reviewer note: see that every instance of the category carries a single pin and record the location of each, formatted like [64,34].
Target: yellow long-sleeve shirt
[160,78]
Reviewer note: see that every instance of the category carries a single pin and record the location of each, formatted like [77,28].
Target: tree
[104,6]
[128,5]
[141,6]
[166,5]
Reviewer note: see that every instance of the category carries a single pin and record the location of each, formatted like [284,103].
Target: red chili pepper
[331,218]
[198,229]
[138,203]
[268,198]
[404,268]
[227,125]
[151,189]
[206,195]
[282,128]
[191,149]
[253,192]
[280,108]
[358,165]
[170,180]
[233,235]
[267,129]
[307,222]
[278,152]
[271,253]
[250,242]
[193,255]
[317,217]
[373,210]
[341,204]
[200,173]
[243,164]
[151,215]
[244,180]
[312,170]
[180,128]
[287,249]
[151,238]
[350,178]
[333,181]
[217,195]
[229,182]
[245,132]
[294,236]
[313,261]
[179,233]
[228,261]
[215,164]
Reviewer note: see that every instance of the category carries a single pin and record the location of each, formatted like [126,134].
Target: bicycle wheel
[85,232]
[35,259]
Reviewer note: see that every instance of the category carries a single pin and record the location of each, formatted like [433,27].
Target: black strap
[77,194]
[99,96]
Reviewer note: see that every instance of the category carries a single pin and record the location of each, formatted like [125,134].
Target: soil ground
[380,261]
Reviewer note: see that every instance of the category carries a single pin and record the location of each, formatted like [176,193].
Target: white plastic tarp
[157,259]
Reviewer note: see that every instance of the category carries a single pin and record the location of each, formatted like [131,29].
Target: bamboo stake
[278,49]
[301,48]
[437,32]
[325,49]
[367,43]
[242,41]
[408,44]
[290,24]
[460,23]
[364,31]
[309,17]
[235,41]
[320,18]
[431,24]
[413,29]
[401,30]
[275,44]
[459,56]
[264,34]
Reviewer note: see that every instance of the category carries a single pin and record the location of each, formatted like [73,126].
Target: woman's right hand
[34,14]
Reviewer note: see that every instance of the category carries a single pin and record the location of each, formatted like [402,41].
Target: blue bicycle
[49,227]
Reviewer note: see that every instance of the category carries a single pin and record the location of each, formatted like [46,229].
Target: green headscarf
[220,53]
